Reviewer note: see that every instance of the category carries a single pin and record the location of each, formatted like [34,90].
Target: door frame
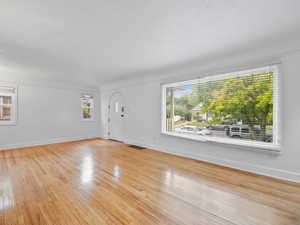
[113,94]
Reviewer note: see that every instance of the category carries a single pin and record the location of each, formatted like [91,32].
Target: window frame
[275,146]
[81,108]
[14,105]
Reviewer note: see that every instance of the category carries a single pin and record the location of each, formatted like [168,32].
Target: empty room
[158,112]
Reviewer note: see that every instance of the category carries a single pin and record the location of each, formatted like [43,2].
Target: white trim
[275,146]
[249,145]
[277,112]
[45,142]
[186,136]
[163,109]
[248,167]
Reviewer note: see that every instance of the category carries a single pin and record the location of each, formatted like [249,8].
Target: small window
[8,106]
[239,108]
[87,107]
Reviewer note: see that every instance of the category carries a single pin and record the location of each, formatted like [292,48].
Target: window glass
[7,105]
[87,107]
[242,103]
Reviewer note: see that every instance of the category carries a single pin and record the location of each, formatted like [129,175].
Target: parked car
[205,131]
[219,127]
[241,131]
[193,130]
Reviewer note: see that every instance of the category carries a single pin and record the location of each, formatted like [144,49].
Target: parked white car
[193,130]
[205,131]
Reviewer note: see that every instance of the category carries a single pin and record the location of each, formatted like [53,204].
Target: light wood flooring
[99,182]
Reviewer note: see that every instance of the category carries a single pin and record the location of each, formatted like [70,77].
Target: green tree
[184,106]
[204,93]
[247,99]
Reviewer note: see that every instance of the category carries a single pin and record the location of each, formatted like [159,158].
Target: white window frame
[274,147]
[14,104]
[93,108]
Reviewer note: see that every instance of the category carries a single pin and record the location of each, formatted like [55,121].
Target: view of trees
[245,100]
[87,105]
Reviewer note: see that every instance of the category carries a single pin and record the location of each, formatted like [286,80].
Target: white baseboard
[257,169]
[44,142]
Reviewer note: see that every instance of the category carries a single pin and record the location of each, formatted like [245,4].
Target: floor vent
[115,140]
[136,147]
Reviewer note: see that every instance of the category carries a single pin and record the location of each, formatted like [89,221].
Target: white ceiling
[96,40]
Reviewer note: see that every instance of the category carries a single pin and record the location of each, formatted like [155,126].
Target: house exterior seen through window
[87,107]
[7,105]
[237,108]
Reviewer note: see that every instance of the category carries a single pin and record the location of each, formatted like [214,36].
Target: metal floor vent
[136,147]
[115,140]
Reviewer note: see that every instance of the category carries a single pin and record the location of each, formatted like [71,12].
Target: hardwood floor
[101,182]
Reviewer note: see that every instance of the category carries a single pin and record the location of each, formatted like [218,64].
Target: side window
[8,105]
[87,107]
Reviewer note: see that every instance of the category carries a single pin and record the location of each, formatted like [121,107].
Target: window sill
[245,144]
[8,123]
[88,120]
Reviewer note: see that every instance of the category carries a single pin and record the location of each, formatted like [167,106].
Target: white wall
[143,120]
[48,113]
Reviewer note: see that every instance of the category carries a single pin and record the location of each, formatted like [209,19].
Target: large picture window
[8,105]
[237,108]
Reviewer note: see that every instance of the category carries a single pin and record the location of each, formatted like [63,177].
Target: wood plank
[104,182]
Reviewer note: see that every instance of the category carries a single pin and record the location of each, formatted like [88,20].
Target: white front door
[116,117]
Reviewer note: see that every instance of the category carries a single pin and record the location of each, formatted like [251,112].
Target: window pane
[6,100]
[5,113]
[87,106]
[86,111]
[7,105]
[240,107]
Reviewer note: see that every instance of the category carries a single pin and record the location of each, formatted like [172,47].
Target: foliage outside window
[7,105]
[87,107]
[237,108]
